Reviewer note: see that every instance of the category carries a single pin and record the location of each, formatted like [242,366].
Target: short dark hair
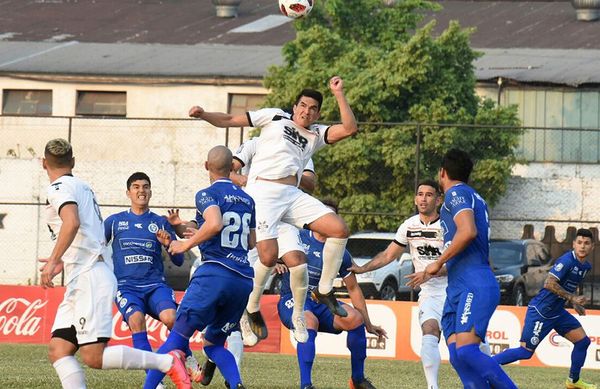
[431,183]
[328,201]
[458,165]
[585,233]
[313,94]
[136,177]
[58,152]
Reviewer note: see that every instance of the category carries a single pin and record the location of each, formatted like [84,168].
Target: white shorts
[287,241]
[282,203]
[431,307]
[88,304]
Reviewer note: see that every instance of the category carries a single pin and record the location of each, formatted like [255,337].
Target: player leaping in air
[285,144]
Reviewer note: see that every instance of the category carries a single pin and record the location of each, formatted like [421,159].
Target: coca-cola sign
[20,316]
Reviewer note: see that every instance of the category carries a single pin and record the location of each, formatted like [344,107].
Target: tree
[394,72]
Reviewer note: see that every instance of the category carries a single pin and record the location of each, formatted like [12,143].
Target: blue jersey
[570,273]
[228,248]
[314,260]
[137,253]
[466,267]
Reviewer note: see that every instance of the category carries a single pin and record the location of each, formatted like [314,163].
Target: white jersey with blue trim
[283,148]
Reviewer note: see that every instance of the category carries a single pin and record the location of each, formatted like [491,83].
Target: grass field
[26,366]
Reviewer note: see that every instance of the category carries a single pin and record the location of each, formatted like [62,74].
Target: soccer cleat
[257,325]
[309,386]
[161,386]
[330,301]
[239,386]
[207,372]
[193,368]
[300,332]
[579,385]
[362,384]
[250,339]
[177,373]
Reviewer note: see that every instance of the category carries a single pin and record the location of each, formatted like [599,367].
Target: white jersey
[89,243]
[246,152]
[426,243]
[283,148]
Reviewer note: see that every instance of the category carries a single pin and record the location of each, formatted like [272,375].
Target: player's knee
[340,230]
[91,359]
[136,322]
[583,343]
[312,323]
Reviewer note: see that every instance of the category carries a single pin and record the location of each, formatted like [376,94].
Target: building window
[92,103]
[239,104]
[26,102]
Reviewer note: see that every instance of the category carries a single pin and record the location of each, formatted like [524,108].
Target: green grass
[26,366]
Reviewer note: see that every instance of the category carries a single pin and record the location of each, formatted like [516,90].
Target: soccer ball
[295,8]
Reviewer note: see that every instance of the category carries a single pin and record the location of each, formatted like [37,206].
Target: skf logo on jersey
[558,267]
[228,327]
[294,136]
[428,250]
[123,225]
[464,318]
[153,228]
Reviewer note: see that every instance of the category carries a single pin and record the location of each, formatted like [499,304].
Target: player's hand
[579,309]
[280,268]
[336,84]
[177,247]
[376,330]
[49,270]
[173,217]
[433,268]
[356,269]
[189,232]
[416,279]
[163,237]
[196,111]
[579,300]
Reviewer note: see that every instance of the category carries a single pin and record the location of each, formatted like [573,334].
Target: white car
[386,283]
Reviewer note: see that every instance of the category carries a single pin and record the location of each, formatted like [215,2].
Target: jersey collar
[431,222]
[225,180]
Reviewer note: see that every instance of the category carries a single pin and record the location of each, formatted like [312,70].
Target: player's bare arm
[392,252]
[466,231]
[53,265]
[219,119]
[348,127]
[179,225]
[553,286]
[358,302]
[416,279]
[212,226]
[236,178]
[308,181]
[252,239]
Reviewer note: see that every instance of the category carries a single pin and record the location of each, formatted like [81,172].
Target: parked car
[387,283]
[521,267]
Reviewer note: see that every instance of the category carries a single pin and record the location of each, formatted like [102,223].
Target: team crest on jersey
[153,228]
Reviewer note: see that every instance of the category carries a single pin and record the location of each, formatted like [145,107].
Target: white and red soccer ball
[295,8]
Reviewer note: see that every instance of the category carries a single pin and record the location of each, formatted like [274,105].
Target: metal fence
[172,152]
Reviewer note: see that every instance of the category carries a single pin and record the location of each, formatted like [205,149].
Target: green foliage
[394,71]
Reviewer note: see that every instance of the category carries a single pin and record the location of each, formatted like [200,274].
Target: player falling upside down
[219,289]
[84,318]
[547,312]
[473,292]
[320,319]
[283,148]
[138,236]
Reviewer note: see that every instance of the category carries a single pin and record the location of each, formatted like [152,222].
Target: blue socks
[483,365]
[470,379]
[225,362]
[512,354]
[140,341]
[578,358]
[357,344]
[306,357]
[175,341]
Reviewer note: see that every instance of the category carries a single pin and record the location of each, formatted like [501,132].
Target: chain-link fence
[172,153]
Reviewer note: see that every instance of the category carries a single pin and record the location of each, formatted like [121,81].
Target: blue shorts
[215,300]
[469,307]
[537,327]
[151,300]
[285,308]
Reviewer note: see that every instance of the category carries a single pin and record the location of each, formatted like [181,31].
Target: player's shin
[485,366]
[512,354]
[225,362]
[469,379]
[333,252]
[261,276]
[299,286]
[578,358]
[123,357]
[70,372]
[306,357]
[431,359]
[235,345]
[357,344]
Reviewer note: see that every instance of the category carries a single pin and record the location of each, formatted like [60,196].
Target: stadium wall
[27,314]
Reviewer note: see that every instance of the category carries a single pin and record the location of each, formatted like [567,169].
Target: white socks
[70,373]
[123,357]
[484,347]
[261,276]
[430,357]
[333,252]
[235,345]
[299,286]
